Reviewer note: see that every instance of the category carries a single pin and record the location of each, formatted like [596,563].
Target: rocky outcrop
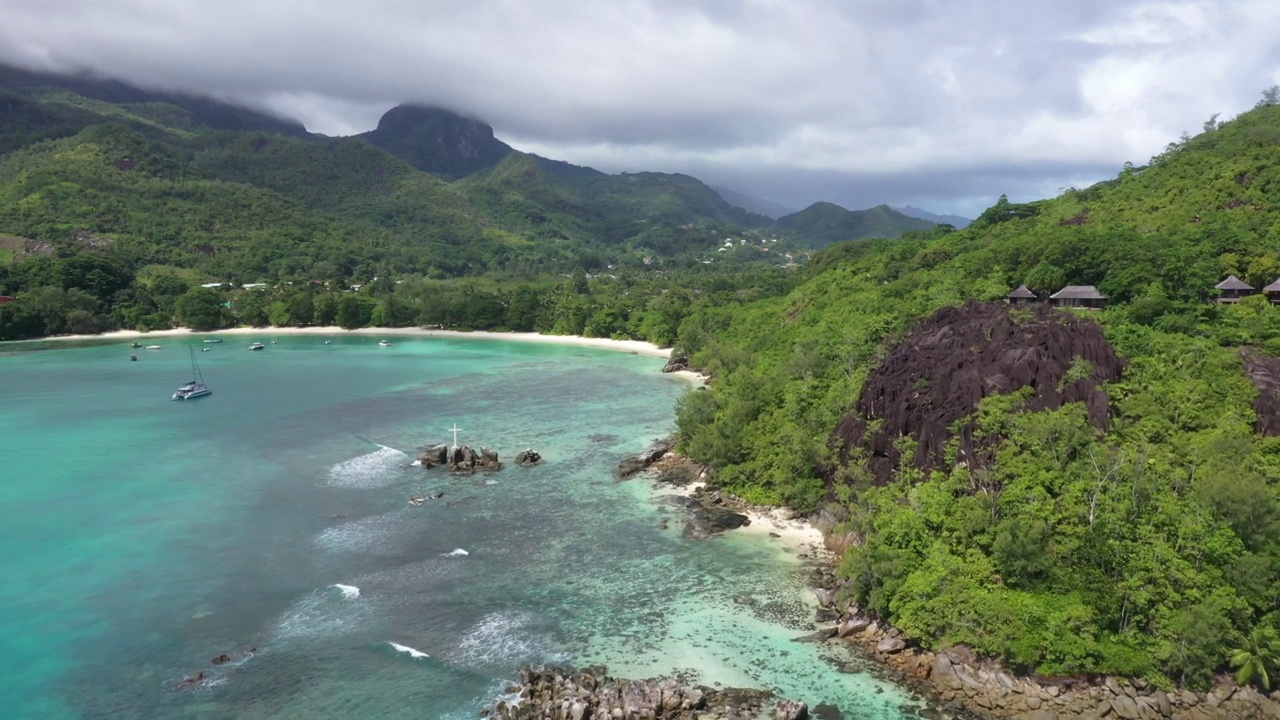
[708,521]
[1264,372]
[434,456]
[964,685]
[528,458]
[676,364]
[937,375]
[631,465]
[460,459]
[590,694]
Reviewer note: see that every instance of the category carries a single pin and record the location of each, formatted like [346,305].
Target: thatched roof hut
[1232,289]
[1021,296]
[1079,296]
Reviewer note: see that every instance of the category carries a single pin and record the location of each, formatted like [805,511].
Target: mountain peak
[438,140]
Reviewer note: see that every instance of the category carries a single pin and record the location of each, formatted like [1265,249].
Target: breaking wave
[371,470]
[415,654]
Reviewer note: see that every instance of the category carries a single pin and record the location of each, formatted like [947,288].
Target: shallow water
[143,537]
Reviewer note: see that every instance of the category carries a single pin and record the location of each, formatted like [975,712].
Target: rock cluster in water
[939,372]
[590,694]
[460,459]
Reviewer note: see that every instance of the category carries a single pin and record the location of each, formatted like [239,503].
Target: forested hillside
[823,223]
[1144,540]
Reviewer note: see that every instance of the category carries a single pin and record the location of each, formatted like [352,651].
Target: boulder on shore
[635,463]
[708,521]
[676,364]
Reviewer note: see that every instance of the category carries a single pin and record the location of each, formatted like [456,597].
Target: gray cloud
[941,103]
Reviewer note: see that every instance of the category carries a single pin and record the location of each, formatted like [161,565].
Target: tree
[200,309]
[1270,97]
[1258,659]
[349,312]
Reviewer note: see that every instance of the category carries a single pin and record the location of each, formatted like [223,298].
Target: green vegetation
[1151,549]
[823,223]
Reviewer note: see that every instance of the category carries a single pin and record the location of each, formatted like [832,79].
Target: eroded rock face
[1264,371]
[940,371]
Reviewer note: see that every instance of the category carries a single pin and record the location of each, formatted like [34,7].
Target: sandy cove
[638,347]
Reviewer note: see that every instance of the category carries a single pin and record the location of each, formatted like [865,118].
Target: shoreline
[795,533]
[639,347]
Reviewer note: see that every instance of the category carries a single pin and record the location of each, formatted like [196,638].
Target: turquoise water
[142,537]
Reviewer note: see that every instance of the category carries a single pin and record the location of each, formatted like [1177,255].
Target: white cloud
[996,95]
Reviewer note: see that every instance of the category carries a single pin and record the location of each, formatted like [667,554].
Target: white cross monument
[455,430]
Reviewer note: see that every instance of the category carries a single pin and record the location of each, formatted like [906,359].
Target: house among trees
[1272,292]
[1233,288]
[1021,296]
[1079,296]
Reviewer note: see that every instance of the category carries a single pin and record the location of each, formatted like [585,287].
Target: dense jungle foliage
[1152,549]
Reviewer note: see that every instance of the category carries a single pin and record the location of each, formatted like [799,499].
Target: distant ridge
[751,203]
[953,220]
[823,223]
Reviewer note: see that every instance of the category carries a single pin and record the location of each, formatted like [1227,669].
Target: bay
[143,537]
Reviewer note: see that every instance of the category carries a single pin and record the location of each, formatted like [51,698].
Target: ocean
[142,538]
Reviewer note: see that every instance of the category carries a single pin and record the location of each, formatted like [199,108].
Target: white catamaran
[193,388]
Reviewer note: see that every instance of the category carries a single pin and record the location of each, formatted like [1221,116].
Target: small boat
[212,341]
[328,342]
[136,344]
[151,347]
[193,388]
[205,349]
[257,346]
[384,343]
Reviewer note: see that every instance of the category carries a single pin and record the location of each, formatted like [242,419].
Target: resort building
[1079,296]
[1272,292]
[1233,288]
[1021,296]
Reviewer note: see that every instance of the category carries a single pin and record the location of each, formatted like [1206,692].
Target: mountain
[754,204]
[438,141]
[953,220]
[1025,481]
[60,105]
[179,182]
[823,223]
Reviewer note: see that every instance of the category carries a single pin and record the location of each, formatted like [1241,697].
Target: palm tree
[1258,658]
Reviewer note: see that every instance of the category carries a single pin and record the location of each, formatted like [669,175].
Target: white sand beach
[639,347]
[781,524]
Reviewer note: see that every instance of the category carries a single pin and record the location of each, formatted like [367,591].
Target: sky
[941,104]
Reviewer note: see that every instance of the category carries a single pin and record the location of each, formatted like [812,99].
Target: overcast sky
[943,104]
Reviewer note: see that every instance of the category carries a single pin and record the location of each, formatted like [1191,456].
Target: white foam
[455,553]
[415,654]
[371,470]
[506,639]
[350,592]
[321,614]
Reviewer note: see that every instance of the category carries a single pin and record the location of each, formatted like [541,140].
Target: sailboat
[193,388]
